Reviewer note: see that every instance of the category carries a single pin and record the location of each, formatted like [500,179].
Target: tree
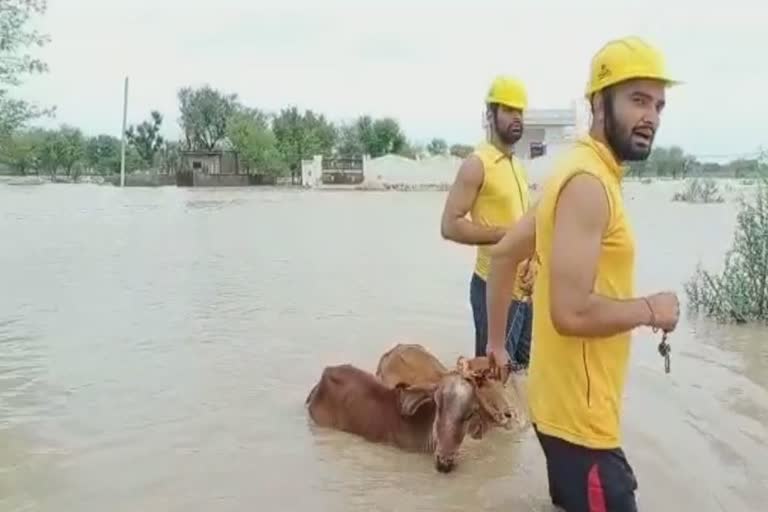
[662,161]
[385,137]
[102,154]
[204,115]
[170,156]
[349,142]
[374,137]
[71,148]
[146,137]
[50,154]
[19,151]
[256,144]
[461,150]
[15,38]
[744,167]
[437,147]
[302,136]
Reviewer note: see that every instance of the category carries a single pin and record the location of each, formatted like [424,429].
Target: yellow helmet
[625,59]
[508,91]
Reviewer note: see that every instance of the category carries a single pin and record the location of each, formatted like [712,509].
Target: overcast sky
[425,62]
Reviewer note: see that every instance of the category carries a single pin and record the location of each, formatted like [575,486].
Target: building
[333,171]
[545,128]
[210,168]
[211,162]
[547,132]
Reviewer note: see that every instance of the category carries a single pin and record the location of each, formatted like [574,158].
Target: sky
[427,63]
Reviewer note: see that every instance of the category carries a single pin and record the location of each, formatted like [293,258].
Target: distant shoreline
[145,181]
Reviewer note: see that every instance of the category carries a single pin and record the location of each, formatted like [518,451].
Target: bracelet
[652,323]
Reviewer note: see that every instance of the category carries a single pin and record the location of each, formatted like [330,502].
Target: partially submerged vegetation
[699,190]
[740,293]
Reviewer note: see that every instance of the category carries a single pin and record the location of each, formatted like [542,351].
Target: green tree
[437,147]
[349,141]
[385,137]
[742,168]
[50,152]
[71,148]
[374,137]
[204,115]
[146,137]
[461,150]
[15,39]
[302,136]
[670,162]
[19,151]
[170,156]
[256,144]
[102,154]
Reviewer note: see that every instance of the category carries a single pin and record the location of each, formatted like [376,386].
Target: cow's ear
[412,398]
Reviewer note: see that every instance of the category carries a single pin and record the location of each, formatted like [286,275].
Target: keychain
[664,350]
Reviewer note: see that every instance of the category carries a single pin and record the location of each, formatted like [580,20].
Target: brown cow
[412,363]
[429,417]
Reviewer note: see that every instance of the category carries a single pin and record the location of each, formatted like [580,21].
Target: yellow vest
[575,385]
[502,199]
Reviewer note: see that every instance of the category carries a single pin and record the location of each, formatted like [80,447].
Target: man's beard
[620,139]
[508,137]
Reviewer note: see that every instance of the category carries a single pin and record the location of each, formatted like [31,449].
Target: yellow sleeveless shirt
[575,385]
[502,199]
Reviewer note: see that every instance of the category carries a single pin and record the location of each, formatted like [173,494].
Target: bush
[699,190]
[740,293]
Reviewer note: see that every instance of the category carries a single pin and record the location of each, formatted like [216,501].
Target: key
[664,350]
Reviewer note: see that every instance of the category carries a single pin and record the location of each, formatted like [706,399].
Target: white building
[547,132]
[545,129]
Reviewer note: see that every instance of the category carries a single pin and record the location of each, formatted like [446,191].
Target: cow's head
[460,404]
[495,408]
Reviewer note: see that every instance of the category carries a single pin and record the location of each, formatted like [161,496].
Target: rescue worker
[585,298]
[492,187]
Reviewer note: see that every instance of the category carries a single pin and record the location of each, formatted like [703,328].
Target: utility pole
[125,114]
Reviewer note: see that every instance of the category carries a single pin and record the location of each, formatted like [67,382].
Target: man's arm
[580,219]
[517,245]
[454,224]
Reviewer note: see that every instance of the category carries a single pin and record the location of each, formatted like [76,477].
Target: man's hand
[517,245]
[665,311]
[500,362]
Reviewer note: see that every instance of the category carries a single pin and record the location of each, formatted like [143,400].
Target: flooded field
[156,347]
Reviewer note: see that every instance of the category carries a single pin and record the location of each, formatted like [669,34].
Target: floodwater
[156,347]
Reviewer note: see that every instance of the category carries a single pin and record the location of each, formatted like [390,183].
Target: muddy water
[156,347]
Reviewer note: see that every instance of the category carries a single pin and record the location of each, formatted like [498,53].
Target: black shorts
[587,480]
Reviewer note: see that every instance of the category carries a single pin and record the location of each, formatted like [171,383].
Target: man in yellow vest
[491,186]
[584,296]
